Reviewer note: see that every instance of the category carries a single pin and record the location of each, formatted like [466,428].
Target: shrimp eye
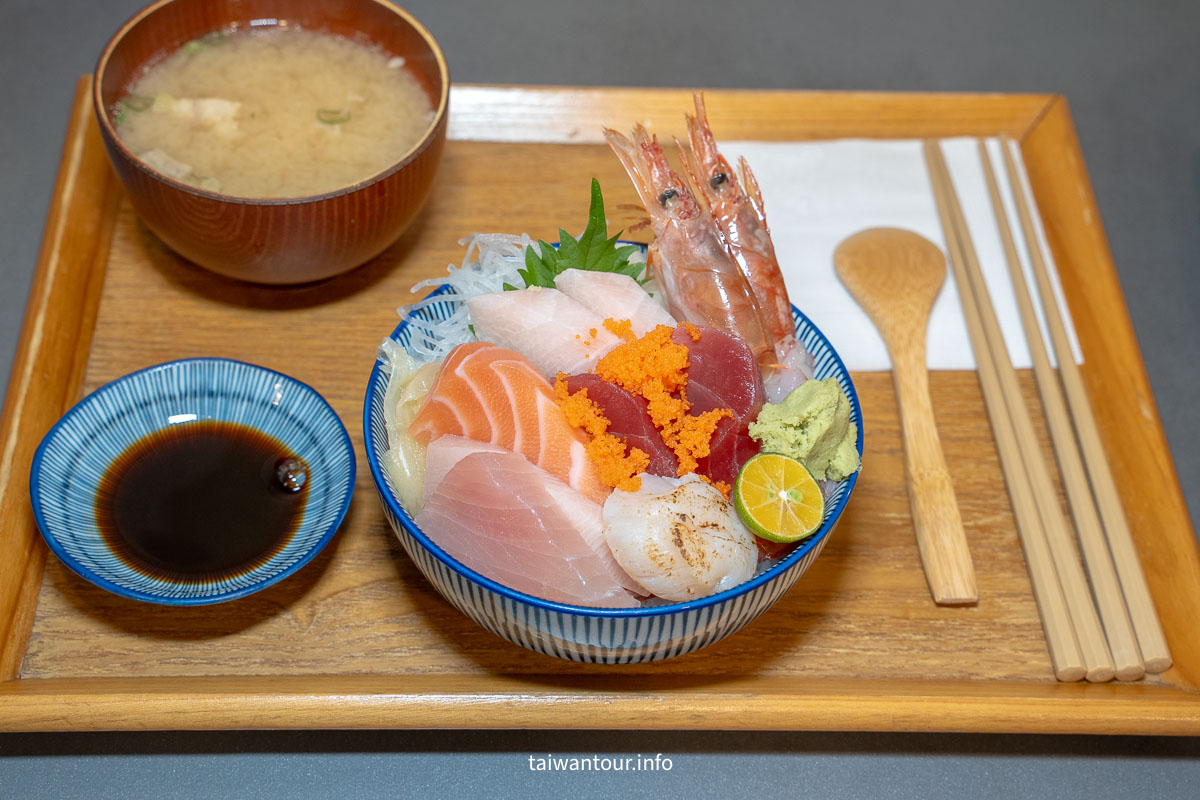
[716,180]
[666,196]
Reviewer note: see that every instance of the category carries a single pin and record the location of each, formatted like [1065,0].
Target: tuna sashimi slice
[549,328]
[612,295]
[722,373]
[491,394]
[629,420]
[510,521]
[731,447]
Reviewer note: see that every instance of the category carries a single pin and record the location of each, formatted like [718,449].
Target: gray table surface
[1131,72]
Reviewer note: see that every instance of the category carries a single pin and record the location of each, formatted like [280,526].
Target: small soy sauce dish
[193,482]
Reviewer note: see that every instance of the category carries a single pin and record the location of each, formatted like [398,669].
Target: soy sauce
[201,501]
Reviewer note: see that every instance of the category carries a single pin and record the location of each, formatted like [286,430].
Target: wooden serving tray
[360,639]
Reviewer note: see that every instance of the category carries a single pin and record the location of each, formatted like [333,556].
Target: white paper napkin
[818,193]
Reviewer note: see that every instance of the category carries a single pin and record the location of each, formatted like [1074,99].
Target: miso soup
[273,112]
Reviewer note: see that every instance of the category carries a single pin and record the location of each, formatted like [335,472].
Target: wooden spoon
[895,276]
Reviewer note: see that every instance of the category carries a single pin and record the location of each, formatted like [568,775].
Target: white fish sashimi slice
[494,513]
[446,451]
[589,520]
[612,295]
[544,325]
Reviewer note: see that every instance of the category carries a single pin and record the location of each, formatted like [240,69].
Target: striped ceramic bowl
[602,635]
[73,457]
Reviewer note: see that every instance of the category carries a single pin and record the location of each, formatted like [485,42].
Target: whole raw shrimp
[738,213]
[699,279]
[736,205]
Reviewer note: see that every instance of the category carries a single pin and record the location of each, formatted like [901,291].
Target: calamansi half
[778,499]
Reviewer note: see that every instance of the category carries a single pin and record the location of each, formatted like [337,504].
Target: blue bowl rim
[133,594]
[378,375]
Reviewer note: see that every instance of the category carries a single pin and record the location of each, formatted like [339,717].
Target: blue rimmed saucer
[73,458]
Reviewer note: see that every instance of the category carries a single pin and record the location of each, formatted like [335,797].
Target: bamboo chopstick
[1106,589]
[1072,630]
[1156,656]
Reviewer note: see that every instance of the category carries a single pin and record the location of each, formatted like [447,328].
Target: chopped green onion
[211,39]
[118,113]
[137,102]
[333,116]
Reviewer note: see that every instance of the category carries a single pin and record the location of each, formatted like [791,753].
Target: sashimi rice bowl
[611,452]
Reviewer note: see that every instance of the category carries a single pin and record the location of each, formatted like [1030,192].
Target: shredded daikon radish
[491,260]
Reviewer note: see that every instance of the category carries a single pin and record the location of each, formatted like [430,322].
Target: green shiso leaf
[593,250]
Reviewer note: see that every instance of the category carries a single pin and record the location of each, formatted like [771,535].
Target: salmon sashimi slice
[512,522]
[553,331]
[614,296]
[494,395]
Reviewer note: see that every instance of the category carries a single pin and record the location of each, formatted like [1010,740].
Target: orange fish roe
[655,367]
[650,363]
[690,437]
[622,329]
[613,465]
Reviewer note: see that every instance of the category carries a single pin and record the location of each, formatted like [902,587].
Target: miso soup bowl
[601,635]
[275,240]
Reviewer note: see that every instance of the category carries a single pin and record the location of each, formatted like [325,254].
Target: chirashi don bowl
[603,635]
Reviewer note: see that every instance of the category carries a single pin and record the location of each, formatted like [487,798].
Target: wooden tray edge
[51,358]
[469,701]
[1129,424]
[577,114]
[344,701]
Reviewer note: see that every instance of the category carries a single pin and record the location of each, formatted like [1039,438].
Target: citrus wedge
[778,499]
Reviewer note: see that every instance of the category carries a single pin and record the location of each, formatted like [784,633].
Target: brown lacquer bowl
[275,240]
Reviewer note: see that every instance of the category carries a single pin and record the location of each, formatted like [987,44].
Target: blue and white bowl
[74,456]
[602,635]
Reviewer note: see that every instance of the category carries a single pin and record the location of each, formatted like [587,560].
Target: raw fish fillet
[508,520]
[614,296]
[546,326]
[491,394]
[628,420]
[730,448]
[446,451]
[722,373]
